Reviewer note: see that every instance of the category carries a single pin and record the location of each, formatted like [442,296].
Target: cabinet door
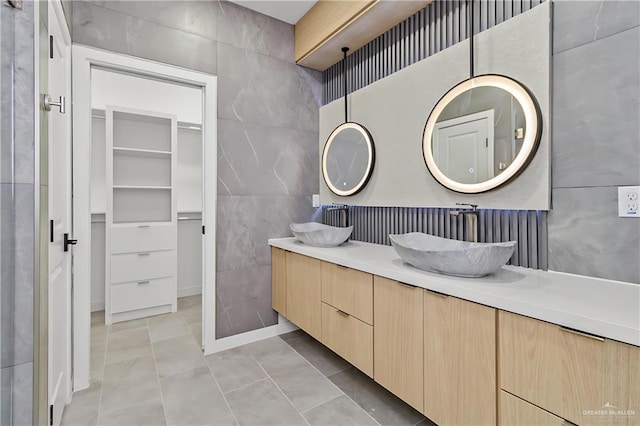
[349,290]
[515,412]
[278,281]
[595,377]
[529,354]
[303,290]
[397,340]
[634,385]
[459,361]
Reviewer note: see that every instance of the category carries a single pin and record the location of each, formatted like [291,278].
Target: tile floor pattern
[152,372]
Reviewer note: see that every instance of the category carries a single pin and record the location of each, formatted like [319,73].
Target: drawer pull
[144,282]
[582,333]
[407,285]
[144,226]
[146,253]
[343,313]
[437,293]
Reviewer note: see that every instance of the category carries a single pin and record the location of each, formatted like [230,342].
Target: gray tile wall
[267,126]
[17,215]
[596,138]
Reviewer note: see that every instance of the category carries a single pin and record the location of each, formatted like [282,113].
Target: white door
[463,147]
[60,217]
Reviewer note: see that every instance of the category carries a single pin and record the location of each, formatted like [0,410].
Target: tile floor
[152,372]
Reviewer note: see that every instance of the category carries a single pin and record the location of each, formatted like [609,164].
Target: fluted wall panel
[374,224]
[440,25]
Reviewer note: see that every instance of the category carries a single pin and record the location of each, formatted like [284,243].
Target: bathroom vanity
[520,346]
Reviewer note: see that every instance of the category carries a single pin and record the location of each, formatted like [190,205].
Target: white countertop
[606,308]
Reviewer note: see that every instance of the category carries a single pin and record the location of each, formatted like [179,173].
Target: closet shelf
[137,152]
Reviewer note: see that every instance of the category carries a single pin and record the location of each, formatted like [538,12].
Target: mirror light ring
[370,163]
[523,158]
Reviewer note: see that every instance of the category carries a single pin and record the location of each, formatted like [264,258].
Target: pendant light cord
[471,39]
[344,79]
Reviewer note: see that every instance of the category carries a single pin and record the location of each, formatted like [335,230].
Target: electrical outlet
[315,200]
[629,201]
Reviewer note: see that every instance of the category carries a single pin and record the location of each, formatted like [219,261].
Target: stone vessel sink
[319,235]
[451,257]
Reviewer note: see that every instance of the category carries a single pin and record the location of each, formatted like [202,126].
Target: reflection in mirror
[348,158]
[481,134]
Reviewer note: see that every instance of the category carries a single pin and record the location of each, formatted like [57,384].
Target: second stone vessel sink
[319,235]
[451,257]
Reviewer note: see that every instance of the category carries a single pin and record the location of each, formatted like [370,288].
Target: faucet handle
[473,206]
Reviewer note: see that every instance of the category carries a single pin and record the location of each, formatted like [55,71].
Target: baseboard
[283,326]
[189,291]
[97,306]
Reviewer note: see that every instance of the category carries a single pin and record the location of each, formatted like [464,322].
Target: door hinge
[50,47]
[51,231]
[16,4]
[202,229]
[51,415]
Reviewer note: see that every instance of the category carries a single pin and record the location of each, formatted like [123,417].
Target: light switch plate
[315,199]
[628,201]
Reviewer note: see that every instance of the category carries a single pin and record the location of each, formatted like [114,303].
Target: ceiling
[289,11]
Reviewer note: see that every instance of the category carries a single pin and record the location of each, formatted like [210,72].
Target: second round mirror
[348,159]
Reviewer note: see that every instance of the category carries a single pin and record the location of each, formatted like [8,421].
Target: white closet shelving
[141,214]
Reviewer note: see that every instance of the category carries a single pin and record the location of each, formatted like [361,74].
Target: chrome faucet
[344,216]
[471,217]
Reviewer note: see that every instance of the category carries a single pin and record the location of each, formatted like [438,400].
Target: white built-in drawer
[142,294]
[143,265]
[143,237]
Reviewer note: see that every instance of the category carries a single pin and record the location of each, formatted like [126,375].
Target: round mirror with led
[347,159]
[481,134]
[349,154]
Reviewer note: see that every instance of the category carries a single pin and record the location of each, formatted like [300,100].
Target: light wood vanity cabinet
[398,338]
[303,292]
[347,314]
[566,372]
[459,361]
[516,411]
[278,281]
[449,359]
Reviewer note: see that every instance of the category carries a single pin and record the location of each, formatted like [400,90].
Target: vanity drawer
[349,290]
[142,294]
[349,337]
[142,237]
[142,265]
[515,411]
[567,372]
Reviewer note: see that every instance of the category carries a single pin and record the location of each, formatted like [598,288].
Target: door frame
[83,58]
[55,11]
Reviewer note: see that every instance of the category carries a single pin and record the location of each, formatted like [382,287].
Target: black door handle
[68,242]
